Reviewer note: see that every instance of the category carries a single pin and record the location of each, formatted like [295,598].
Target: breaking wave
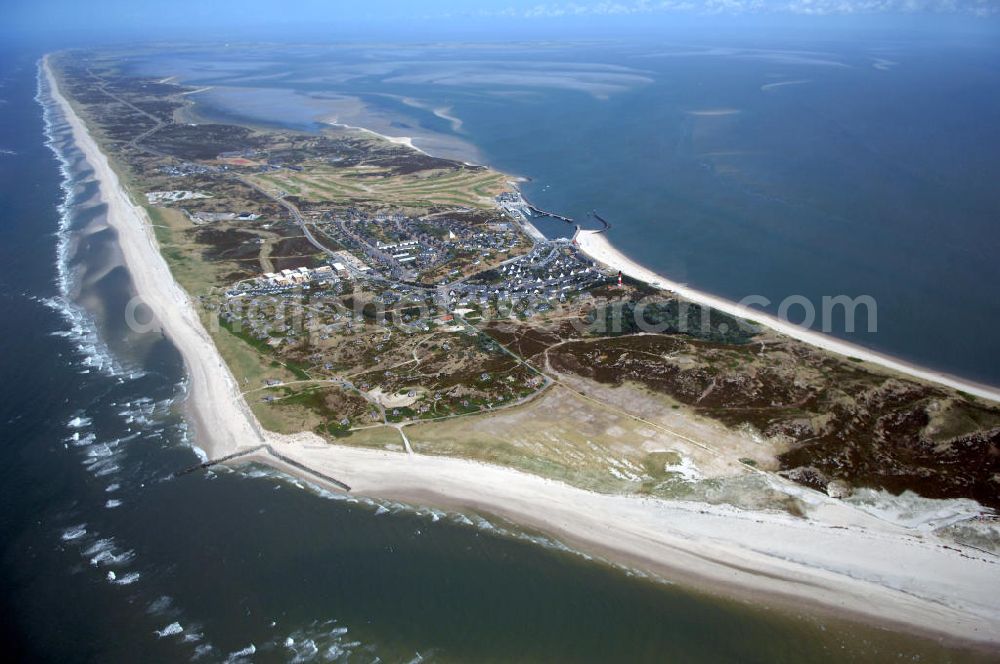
[81,329]
[119,418]
[170,630]
[324,641]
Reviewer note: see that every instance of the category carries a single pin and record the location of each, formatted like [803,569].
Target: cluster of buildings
[348,262]
[402,247]
[188,168]
[402,252]
[297,277]
[513,204]
[549,272]
[498,241]
[379,246]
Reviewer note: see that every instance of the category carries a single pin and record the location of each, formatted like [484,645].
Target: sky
[139,19]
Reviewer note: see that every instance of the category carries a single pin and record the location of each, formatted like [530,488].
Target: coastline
[596,245]
[210,382]
[840,560]
[405,141]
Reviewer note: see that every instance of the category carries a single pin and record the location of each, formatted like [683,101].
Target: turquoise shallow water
[786,169]
[103,557]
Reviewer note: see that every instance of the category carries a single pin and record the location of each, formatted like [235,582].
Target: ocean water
[106,557]
[772,168]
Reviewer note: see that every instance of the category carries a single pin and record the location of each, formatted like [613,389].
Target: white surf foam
[170,630]
[106,553]
[124,580]
[74,532]
[82,441]
[79,422]
[81,328]
[241,655]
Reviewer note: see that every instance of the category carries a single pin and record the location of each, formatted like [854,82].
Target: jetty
[545,213]
[269,450]
[601,219]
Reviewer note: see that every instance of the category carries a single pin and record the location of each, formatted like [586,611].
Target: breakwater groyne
[269,450]
[601,219]
[545,213]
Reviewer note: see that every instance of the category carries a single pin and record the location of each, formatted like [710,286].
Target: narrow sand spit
[596,245]
[406,141]
[839,560]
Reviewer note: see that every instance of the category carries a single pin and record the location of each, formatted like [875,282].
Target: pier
[545,213]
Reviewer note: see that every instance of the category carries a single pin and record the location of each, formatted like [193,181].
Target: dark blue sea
[105,557]
[779,167]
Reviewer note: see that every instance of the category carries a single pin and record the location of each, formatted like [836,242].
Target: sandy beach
[405,141]
[837,560]
[596,245]
[220,416]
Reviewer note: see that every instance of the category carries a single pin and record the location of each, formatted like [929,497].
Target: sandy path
[596,245]
[839,560]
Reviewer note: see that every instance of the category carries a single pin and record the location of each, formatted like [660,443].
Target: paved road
[160,124]
[296,215]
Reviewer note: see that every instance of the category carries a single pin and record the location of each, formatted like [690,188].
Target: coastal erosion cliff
[837,559]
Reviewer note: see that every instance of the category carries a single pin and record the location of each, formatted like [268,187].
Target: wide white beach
[221,418]
[838,559]
[596,245]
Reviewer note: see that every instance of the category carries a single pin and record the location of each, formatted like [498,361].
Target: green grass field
[440,187]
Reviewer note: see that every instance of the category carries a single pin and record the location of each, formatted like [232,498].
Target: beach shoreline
[596,245]
[839,558]
[405,141]
[840,562]
[222,430]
